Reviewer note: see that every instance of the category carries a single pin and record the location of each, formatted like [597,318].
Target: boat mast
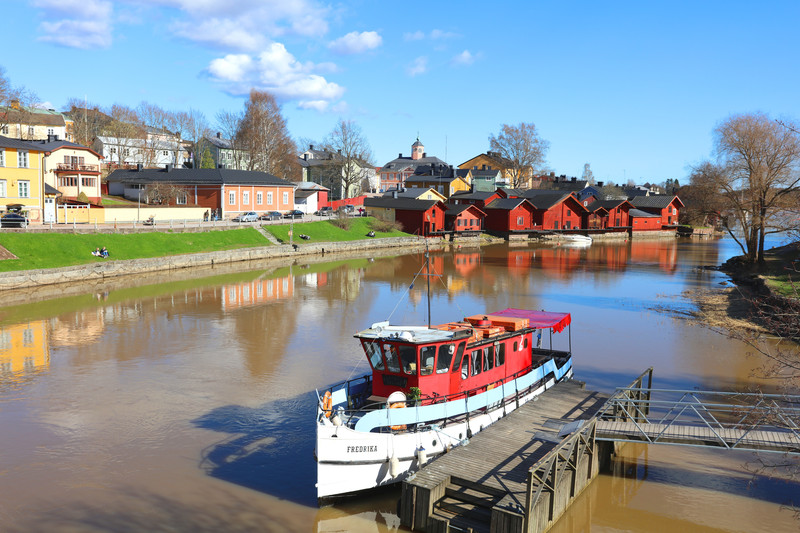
[428,276]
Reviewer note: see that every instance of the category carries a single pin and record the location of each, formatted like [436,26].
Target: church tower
[417,150]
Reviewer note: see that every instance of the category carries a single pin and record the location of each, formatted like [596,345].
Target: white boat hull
[349,461]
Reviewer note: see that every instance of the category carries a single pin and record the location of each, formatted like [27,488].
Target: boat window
[465,367]
[525,341]
[488,358]
[408,357]
[500,354]
[427,354]
[516,346]
[459,356]
[446,353]
[374,354]
[477,363]
[390,353]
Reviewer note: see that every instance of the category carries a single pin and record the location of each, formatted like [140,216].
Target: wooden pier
[519,475]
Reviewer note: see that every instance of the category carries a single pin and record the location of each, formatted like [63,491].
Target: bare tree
[16,103]
[756,175]
[704,205]
[263,133]
[351,153]
[192,127]
[163,193]
[87,119]
[229,124]
[587,176]
[126,135]
[523,150]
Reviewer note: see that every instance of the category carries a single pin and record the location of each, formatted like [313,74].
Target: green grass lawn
[325,231]
[115,200]
[50,250]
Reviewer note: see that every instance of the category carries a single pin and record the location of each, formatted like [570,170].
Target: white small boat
[574,238]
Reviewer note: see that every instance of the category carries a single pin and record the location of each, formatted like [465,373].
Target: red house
[476,198]
[509,215]
[556,210]
[644,221]
[665,206]
[608,214]
[420,217]
[463,218]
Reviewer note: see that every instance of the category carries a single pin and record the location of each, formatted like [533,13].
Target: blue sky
[632,88]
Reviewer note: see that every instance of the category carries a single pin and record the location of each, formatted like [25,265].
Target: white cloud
[464,58]
[416,36]
[76,23]
[418,66]
[277,71]
[356,43]
[441,34]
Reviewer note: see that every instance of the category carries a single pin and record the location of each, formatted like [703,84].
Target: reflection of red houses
[663,252]
[256,292]
[465,263]
[614,256]
[560,261]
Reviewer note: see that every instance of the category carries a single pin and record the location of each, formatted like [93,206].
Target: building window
[51,131]
[245,198]
[2,158]
[22,159]
[30,130]
[3,189]
[67,181]
[269,198]
[88,181]
[113,150]
[181,200]
[520,221]
[285,197]
[259,198]
[24,188]
[4,129]
[232,197]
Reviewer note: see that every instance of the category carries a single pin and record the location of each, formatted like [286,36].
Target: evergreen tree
[207,161]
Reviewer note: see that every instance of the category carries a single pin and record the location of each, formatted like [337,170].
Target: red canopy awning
[539,319]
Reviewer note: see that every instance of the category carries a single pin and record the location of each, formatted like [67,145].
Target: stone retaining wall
[109,268]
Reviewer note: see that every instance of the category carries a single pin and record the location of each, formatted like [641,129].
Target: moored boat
[430,389]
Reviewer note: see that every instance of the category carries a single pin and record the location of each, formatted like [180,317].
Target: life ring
[327,404]
[398,405]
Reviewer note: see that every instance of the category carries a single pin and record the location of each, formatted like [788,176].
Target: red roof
[539,319]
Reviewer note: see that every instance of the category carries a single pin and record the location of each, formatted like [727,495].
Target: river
[184,401]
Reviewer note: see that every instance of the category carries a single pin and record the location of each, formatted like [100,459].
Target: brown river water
[185,401]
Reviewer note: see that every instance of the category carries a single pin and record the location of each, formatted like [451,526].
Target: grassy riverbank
[51,250]
[327,231]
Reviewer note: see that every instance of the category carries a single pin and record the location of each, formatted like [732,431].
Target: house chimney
[138,167]
[599,183]
[167,167]
[400,155]
[310,146]
[219,135]
[394,193]
[220,166]
[574,179]
[424,154]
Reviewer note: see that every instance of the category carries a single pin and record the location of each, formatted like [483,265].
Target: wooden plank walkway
[746,439]
[499,458]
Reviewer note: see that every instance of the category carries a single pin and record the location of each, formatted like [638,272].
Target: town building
[225,192]
[327,168]
[223,152]
[33,123]
[419,217]
[21,183]
[393,174]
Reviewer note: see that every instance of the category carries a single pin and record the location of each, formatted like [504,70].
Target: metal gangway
[732,420]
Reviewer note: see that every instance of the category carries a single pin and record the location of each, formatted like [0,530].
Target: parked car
[250,216]
[271,215]
[13,220]
[295,213]
[347,209]
[324,211]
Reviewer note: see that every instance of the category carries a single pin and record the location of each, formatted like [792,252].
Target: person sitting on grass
[104,252]
[371,234]
[96,252]
[304,237]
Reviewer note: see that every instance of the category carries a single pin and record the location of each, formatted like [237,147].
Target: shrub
[341,220]
[382,225]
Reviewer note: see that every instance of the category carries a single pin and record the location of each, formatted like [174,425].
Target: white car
[250,216]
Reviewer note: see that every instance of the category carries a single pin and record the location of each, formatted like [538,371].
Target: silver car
[250,216]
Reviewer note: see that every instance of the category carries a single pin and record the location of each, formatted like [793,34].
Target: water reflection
[172,400]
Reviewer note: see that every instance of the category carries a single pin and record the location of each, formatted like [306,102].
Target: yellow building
[446,185]
[495,161]
[21,177]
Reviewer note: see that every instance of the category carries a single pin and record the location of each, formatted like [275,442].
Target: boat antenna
[428,277]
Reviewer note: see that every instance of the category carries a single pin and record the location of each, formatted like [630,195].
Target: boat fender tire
[397,405]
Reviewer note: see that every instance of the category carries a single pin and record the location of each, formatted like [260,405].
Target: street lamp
[139,205]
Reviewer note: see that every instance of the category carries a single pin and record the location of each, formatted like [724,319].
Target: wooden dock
[518,475]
